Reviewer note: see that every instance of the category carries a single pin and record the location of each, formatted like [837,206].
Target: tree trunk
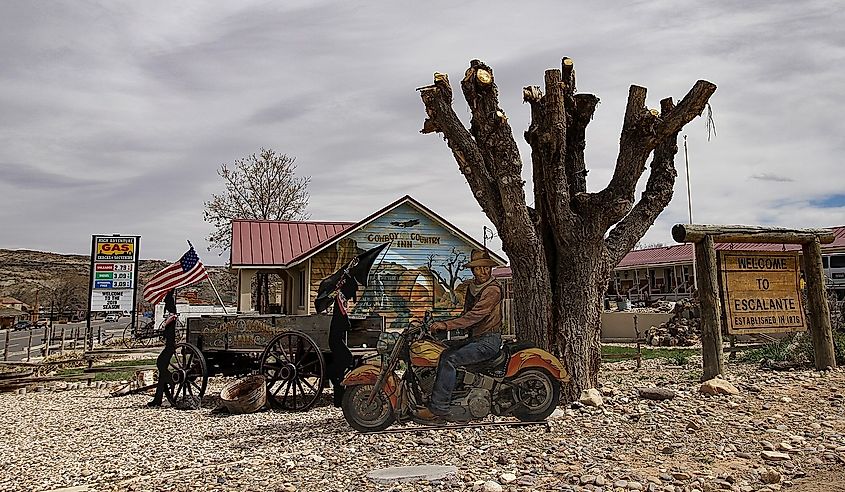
[581,284]
[531,294]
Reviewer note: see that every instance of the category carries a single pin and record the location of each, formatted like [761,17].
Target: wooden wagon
[291,352]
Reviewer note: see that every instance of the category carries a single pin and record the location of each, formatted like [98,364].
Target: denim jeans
[476,350]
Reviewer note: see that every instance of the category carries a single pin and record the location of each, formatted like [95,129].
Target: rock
[426,441]
[557,414]
[587,479]
[785,446]
[621,484]
[770,476]
[412,473]
[718,386]
[507,477]
[775,456]
[492,486]
[632,485]
[591,397]
[658,394]
[681,475]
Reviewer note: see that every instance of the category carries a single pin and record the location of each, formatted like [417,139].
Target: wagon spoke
[309,385]
[312,363]
[195,385]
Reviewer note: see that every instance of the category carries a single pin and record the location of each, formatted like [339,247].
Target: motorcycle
[521,381]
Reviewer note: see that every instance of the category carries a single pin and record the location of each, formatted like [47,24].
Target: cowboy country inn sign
[421,270]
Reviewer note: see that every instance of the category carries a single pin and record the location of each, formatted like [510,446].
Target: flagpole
[208,276]
[217,293]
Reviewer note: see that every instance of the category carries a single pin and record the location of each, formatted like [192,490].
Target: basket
[246,395]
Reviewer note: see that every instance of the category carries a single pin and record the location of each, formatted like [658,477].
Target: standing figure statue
[163,360]
[482,320]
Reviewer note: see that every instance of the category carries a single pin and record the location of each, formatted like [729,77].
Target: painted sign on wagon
[761,291]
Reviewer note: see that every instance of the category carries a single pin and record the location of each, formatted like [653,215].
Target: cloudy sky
[116,115]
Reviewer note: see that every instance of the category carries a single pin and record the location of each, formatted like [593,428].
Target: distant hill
[25,273]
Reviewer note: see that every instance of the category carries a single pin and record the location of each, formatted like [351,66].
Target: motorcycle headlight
[386,342]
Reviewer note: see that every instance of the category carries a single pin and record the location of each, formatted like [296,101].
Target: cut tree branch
[494,137]
[437,99]
[642,131]
[655,198]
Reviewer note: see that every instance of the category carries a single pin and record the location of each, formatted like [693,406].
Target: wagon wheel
[188,377]
[294,368]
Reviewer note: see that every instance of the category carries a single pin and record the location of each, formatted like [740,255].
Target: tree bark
[560,251]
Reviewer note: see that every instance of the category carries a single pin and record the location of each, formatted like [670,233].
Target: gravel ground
[83,438]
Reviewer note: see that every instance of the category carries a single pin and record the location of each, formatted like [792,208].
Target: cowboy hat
[480,258]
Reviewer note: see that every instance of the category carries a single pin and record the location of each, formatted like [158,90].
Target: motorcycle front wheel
[363,417]
[537,394]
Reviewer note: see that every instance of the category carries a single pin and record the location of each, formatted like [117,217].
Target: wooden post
[46,350]
[29,345]
[711,329]
[6,346]
[639,349]
[62,348]
[819,311]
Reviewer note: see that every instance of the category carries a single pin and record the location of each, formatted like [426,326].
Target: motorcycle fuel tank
[426,353]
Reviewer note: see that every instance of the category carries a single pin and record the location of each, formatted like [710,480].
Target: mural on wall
[421,271]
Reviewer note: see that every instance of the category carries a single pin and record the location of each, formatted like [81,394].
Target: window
[837,261]
[825,261]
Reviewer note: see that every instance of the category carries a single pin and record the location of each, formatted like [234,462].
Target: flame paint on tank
[426,353]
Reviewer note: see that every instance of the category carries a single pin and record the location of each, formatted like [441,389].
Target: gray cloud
[772,177]
[117,115]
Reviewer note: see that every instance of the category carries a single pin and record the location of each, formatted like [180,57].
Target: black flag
[337,288]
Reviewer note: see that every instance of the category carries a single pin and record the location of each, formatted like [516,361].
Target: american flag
[186,271]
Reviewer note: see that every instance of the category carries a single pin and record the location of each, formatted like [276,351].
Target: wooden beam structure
[708,292]
[705,238]
[820,326]
[693,233]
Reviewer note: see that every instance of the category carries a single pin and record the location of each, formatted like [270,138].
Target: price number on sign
[123,267]
[122,284]
[122,275]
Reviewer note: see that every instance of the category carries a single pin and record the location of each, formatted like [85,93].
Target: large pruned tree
[564,249]
[261,186]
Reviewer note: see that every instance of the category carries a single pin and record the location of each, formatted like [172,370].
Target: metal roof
[683,253]
[277,242]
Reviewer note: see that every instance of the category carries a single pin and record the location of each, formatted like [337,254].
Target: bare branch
[655,198]
[437,99]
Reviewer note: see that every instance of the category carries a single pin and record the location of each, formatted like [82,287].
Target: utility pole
[689,202]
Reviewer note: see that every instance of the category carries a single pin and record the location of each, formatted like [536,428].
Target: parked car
[22,325]
[112,318]
[42,322]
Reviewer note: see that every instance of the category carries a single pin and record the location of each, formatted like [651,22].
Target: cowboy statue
[482,321]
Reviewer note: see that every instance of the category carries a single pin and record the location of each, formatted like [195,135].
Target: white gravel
[82,438]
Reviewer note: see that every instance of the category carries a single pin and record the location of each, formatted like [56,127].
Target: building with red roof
[422,270]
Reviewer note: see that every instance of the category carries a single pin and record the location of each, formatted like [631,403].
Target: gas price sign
[113,272]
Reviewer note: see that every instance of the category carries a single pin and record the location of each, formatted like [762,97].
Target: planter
[246,395]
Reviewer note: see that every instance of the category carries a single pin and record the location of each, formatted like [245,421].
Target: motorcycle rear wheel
[376,416]
[538,392]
